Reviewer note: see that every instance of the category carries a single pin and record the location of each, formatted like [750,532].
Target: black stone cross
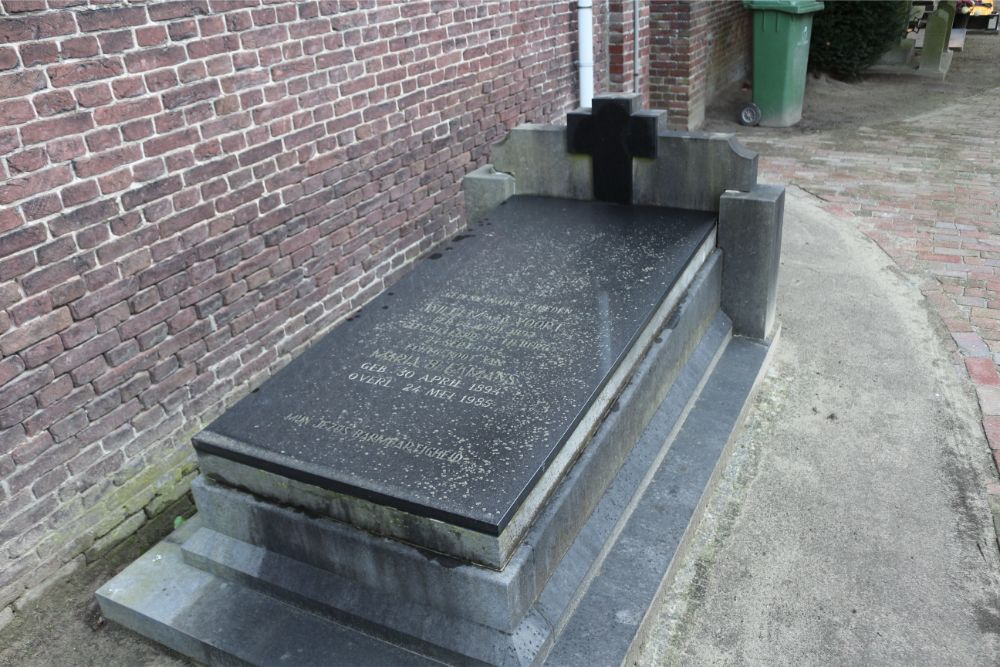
[612,132]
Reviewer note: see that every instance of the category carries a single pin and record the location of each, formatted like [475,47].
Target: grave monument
[497,459]
[935,56]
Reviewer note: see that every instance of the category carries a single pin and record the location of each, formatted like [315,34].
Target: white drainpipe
[585,38]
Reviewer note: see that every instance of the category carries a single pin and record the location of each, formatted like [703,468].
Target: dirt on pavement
[64,627]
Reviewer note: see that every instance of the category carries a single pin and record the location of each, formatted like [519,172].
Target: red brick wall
[192,191]
[670,68]
[729,44]
[698,48]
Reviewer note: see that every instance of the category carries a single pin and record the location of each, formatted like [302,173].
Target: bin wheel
[750,115]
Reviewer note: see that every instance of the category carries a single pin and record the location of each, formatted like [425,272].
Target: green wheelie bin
[781,32]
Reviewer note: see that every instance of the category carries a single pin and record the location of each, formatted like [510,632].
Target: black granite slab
[451,392]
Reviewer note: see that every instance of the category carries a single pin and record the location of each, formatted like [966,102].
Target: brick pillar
[677,61]
[620,41]
[698,49]
[602,81]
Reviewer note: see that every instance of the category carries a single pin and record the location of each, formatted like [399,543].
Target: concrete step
[611,615]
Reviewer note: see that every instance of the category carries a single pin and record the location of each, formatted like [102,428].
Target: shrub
[848,37]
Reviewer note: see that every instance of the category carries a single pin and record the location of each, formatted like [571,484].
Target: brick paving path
[927,190]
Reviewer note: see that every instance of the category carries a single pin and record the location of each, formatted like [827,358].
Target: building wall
[698,49]
[190,192]
[729,39]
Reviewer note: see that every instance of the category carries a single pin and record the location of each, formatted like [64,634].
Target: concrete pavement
[851,526]
[922,179]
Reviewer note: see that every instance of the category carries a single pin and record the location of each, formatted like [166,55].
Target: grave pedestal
[497,461]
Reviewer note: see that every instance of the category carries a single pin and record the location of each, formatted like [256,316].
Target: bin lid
[786,6]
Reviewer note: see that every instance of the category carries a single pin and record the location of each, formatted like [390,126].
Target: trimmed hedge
[848,36]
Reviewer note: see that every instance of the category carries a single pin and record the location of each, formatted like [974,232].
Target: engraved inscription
[458,349]
[457,346]
[362,435]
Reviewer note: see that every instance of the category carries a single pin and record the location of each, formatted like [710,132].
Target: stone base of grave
[225,600]
[901,54]
[937,69]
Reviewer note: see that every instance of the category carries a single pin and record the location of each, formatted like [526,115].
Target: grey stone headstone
[935,59]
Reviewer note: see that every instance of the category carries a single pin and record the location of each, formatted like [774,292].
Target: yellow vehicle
[981,9]
[976,15]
